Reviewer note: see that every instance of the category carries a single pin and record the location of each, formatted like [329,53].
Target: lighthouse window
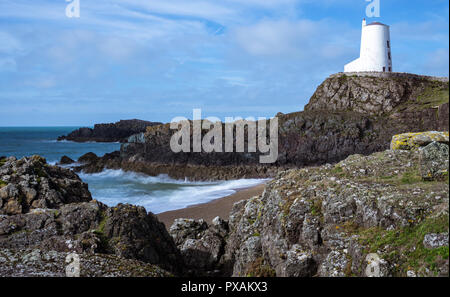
[389,55]
[388,44]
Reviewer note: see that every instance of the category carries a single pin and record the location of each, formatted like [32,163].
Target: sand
[208,211]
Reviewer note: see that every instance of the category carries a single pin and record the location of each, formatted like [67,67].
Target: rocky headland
[112,132]
[348,114]
[327,220]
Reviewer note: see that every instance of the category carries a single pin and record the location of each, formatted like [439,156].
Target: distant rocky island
[362,178]
[112,132]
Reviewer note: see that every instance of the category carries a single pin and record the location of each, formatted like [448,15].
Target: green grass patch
[3,183]
[434,95]
[405,246]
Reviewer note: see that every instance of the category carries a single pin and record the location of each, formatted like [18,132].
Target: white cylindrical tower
[375,53]
[376,48]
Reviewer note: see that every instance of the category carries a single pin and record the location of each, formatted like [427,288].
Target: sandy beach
[220,207]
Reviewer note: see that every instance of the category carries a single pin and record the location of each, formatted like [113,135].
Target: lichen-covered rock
[201,246]
[327,220]
[31,183]
[434,161]
[135,234]
[434,241]
[409,141]
[375,93]
[49,208]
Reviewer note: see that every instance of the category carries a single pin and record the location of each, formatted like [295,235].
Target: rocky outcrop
[112,132]
[30,183]
[201,246]
[364,212]
[347,115]
[49,209]
[375,94]
[325,221]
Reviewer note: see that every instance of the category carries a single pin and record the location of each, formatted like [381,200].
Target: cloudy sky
[158,59]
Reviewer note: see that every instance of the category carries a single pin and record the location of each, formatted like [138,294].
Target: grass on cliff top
[404,247]
[434,95]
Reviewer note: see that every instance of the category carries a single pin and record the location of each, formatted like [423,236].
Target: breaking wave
[158,193]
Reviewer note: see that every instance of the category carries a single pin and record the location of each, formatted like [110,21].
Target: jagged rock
[376,94]
[408,141]
[434,161]
[112,132]
[32,183]
[201,246]
[134,234]
[66,160]
[48,208]
[183,229]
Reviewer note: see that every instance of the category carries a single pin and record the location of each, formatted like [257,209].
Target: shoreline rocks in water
[113,132]
[315,221]
[46,208]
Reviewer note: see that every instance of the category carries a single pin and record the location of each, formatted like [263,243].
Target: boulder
[434,161]
[88,158]
[409,141]
[434,241]
[66,160]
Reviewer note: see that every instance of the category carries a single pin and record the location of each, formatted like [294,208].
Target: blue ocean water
[156,194]
[25,141]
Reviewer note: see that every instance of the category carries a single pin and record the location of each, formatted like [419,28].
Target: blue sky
[158,59]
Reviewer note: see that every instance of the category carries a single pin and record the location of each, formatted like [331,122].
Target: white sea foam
[158,193]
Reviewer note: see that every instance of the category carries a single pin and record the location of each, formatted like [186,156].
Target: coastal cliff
[348,114]
[113,132]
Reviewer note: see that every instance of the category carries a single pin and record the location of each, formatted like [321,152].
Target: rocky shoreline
[349,189]
[315,221]
[348,114]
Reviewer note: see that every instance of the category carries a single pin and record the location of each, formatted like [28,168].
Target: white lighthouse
[375,52]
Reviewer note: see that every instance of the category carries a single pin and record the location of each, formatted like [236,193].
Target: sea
[156,193]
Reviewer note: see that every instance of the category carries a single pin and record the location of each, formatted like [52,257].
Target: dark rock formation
[112,132]
[48,208]
[347,115]
[88,158]
[66,160]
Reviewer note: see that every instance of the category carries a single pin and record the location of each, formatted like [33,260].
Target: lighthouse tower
[375,52]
